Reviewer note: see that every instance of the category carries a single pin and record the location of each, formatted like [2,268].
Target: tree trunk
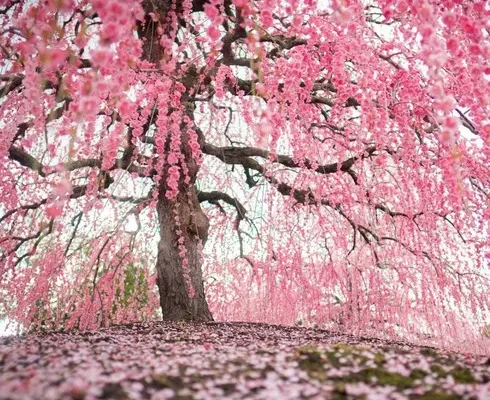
[183,224]
[183,233]
[181,298]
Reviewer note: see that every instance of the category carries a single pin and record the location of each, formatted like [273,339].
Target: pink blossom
[63,188]
[110,33]
[240,3]
[88,105]
[211,11]
[266,17]
[214,33]
[173,158]
[54,210]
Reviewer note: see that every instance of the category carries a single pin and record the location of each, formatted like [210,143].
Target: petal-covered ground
[233,361]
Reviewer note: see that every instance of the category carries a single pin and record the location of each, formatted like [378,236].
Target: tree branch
[241,155]
[12,83]
[40,236]
[220,196]
[78,191]
[26,160]
[77,217]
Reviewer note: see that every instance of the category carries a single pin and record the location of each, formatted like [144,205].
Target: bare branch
[390,60]
[12,83]
[467,123]
[99,254]
[26,160]
[391,213]
[242,255]
[78,191]
[32,206]
[406,247]
[444,216]
[241,155]
[477,186]
[40,235]
[77,217]
[215,196]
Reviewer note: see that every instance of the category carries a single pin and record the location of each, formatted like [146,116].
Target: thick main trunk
[183,224]
[181,297]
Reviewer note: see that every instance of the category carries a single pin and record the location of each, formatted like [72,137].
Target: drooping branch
[4,11]
[27,160]
[228,156]
[370,237]
[216,196]
[445,217]
[307,197]
[413,217]
[78,191]
[128,199]
[478,187]
[406,247]
[21,240]
[39,236]
[26,207]
[240,243]
[166,5]
[77,217]
[241,155]
[391,213]
[12,82]
[467,123]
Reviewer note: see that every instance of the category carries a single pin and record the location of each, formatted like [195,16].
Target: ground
[163,360]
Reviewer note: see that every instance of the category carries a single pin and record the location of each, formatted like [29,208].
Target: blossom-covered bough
[333,155]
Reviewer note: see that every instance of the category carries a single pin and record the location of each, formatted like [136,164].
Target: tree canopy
[324,161]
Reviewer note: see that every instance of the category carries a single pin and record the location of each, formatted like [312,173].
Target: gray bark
[174,297]
[191,223]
